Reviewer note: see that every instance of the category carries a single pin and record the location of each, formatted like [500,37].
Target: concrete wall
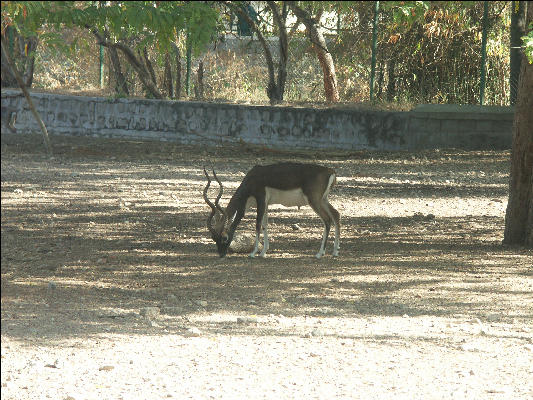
[426,127]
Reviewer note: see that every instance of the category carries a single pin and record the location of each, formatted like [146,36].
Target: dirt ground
[111,287]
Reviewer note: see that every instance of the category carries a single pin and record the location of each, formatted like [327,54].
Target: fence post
[101,70]
[188,62]
[374,46]
[483,52]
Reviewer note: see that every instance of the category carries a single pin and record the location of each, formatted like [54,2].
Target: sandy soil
[111,287]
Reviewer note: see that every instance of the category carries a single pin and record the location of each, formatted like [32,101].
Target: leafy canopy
[156,22]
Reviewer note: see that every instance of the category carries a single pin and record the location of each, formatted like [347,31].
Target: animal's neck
[236,208]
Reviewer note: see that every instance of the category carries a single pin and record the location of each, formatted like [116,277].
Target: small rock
[51,285]
[493,317]
[243,243]
[201,303]
[468,347]
[106,368]
[295,227]
[193,332]
[318,332]
[153,324]
[149,312]
[172,310]
[247,320]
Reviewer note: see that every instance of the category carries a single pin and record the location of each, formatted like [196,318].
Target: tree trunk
[23,55]
[518,29]
[135,62]
[167,77]
[280,21]
[324,56]
[14,72]
[29,60]
[177,87]
[121,86]
[8,79]
[149,66]
[519,215]
[274,92]
[391,85]
[199,88]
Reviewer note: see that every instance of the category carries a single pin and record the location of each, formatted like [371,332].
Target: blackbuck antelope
[288,184]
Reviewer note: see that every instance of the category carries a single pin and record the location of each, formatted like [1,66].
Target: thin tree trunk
[519,214]
[26,56]
[200,78]
[149,66]
[29,62]
[324,56]
[273,91]
[121,86]
[8,79]
[518,29]
[391,85]
[177,86]
[14,71]
[280,20]
[168,77]
[138,66]
[135,62]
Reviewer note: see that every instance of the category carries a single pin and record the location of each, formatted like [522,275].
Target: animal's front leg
[258,225]
[265,234]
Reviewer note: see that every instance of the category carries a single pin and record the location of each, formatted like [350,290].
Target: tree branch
[137,65]
[22,86]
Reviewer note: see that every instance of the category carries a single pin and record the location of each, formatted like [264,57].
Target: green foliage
[148,22]
[405,13]
[528,43]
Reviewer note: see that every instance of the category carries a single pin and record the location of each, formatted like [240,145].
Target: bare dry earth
[111,288]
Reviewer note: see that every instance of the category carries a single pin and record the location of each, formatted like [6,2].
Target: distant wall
[426,127]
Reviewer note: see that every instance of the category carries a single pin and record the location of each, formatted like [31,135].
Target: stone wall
[426,127]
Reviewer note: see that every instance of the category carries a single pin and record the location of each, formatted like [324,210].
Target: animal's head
[220,233]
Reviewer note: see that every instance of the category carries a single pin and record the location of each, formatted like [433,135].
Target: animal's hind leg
[265,233]
[335,217]
[326,219]
[261,209]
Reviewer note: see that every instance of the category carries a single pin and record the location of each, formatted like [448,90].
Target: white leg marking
[322,246]
[256,246]
[324,205]
[336,243]
[264,224]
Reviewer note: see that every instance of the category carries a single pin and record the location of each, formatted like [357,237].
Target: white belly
[287,198]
